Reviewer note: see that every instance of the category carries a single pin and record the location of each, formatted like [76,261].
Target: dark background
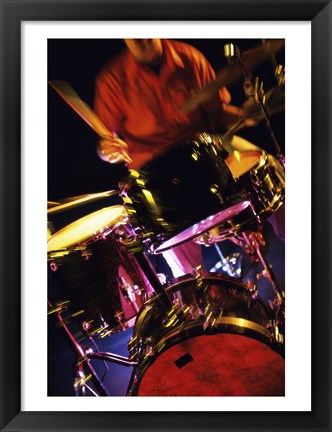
[73,165]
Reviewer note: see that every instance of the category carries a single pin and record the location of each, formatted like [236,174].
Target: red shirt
[143,107]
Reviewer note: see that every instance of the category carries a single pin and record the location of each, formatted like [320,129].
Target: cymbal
[51,204]
[86,228]
[232,73]
[73,202]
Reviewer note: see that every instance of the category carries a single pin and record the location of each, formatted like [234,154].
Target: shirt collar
[172,58]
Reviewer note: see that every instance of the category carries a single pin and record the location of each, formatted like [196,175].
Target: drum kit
[205,334]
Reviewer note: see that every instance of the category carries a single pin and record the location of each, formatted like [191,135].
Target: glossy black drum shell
[179,188]
[87,277]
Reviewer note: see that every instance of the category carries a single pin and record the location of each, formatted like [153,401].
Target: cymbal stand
[85,373]
[259,95]
[251,242]
[232,53]
[129,293]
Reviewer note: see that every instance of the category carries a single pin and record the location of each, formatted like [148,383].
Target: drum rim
[221,321]
[260,161]
[161,249]
[185,142]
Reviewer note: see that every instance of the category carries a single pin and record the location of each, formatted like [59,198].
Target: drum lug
[265,273]
[214,189]
[173,316]
[147,350]
[135,348]
[275,335]
[255,179]
[210,320]
[54,266]
[251,287]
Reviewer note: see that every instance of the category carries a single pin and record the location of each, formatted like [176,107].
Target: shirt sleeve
[207,75]
[107,102]
[217,107]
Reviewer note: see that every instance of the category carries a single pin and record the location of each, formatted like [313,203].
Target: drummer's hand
[250,122]
[113,150]
[251,114]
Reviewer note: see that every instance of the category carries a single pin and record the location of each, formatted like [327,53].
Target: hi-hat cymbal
[230,74]
[73,202]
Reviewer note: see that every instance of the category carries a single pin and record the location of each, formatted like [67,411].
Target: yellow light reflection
[134,173]
[149,197]
[78,313]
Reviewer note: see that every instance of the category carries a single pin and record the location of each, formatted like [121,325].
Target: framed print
[150,341]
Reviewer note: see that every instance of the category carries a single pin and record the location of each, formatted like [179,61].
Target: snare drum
[227,352]
[262,178]
[179,188]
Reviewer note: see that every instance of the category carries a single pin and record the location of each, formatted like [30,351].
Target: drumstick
[65,90]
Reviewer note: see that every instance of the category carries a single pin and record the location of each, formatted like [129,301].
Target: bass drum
[226,352]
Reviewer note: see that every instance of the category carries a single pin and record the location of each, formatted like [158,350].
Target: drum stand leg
[153,278]
[85,371]
[252,240]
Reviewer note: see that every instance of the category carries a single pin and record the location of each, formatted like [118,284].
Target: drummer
[138,95]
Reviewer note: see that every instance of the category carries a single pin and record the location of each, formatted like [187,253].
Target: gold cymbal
[232,73]
[85,228]
[73,202]
[51,204]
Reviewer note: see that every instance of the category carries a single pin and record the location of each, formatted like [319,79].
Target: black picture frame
[12,14]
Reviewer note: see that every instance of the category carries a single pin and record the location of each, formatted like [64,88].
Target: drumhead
[216,365]
[185,356]
[203,226]
[86,228]
[241,162]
